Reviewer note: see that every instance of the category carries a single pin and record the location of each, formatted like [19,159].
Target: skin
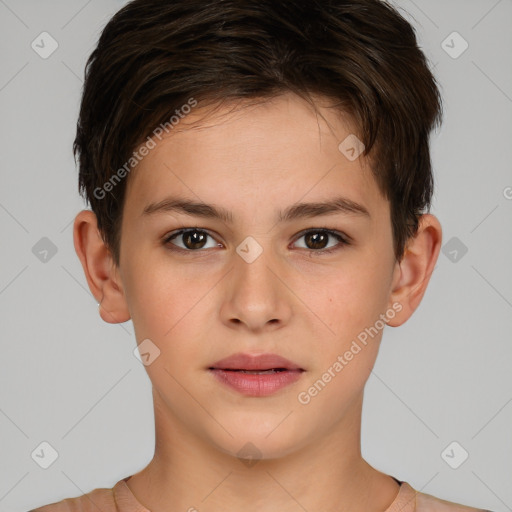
[198,307]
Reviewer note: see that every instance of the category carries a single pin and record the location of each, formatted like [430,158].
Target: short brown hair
[154,55]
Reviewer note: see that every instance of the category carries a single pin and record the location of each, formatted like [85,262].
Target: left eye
[316,240]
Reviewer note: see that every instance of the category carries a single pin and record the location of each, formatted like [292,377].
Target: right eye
[192,239]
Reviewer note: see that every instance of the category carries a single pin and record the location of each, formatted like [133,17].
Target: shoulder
[410,500]
[98,499]
[429,503]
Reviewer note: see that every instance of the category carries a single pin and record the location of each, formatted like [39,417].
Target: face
[308,284]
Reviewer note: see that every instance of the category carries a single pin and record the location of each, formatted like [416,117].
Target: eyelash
[342,239]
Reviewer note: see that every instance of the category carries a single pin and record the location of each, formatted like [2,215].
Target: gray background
[72,380]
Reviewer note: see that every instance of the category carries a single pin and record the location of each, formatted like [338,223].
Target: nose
[257,297]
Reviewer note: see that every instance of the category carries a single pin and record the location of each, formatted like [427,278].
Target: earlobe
[413,273]
[99,269]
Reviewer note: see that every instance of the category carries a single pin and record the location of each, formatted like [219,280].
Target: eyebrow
[297,211]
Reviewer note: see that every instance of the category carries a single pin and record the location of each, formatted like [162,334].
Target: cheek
[346,353]
[349,298]
[350,303]
[171,306]
[155,297]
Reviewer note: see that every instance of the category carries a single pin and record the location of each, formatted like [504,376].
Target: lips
[247,363]
[256,375]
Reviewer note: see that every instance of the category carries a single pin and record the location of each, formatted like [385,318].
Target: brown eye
[317,240]
[192,239]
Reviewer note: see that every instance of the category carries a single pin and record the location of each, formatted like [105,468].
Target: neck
[329,474]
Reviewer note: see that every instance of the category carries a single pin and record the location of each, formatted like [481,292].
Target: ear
[412,275]
[100,271]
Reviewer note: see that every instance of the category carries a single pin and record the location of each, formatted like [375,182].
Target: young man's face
[256,284]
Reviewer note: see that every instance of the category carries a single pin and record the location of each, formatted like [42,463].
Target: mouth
[256,375]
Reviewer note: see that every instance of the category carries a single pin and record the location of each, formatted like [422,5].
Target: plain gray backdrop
[441,390]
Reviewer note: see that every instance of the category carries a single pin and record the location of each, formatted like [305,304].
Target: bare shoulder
[98,499]
[428,503]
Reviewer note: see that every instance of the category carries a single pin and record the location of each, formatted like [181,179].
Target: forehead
[278,149]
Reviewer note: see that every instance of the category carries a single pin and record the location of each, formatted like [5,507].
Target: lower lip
[253,384]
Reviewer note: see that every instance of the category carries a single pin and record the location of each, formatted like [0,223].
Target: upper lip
[243,361]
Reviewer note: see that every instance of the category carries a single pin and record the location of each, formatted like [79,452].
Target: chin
[252,441]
